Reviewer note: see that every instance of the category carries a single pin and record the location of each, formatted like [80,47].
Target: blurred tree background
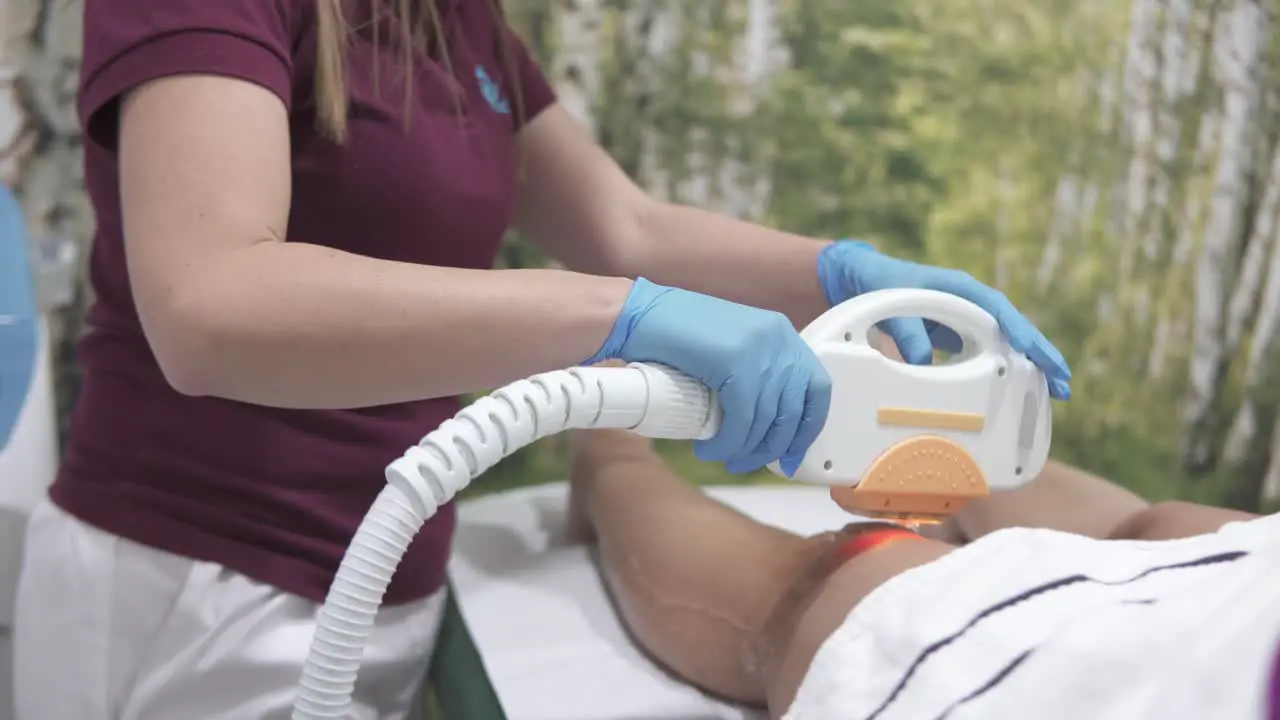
[1112,166]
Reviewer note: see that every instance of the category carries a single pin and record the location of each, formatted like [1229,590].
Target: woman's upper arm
[575,202]
[190,99]
[204,172]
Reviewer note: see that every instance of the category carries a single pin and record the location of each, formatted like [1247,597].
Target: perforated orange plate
[922,479]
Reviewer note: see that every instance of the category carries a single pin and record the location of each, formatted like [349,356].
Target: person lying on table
[1069,597]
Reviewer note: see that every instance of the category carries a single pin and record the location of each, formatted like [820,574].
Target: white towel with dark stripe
[1040,624]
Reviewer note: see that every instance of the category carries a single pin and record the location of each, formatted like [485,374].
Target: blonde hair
[418,26]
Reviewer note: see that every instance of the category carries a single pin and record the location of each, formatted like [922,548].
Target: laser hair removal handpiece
[901,442]
[916,443]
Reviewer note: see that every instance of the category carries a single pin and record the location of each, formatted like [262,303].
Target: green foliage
[839,121]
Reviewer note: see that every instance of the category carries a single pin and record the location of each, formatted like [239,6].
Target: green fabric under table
[457,678]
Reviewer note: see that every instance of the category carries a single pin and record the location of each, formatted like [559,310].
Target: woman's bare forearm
[304,326]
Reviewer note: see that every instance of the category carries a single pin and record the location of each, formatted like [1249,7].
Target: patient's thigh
[1175,519]
[804,620]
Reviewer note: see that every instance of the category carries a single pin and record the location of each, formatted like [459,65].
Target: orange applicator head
[919,480]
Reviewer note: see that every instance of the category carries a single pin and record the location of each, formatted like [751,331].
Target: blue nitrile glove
[848,268]
[774,391]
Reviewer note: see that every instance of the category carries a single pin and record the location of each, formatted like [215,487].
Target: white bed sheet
[551,641]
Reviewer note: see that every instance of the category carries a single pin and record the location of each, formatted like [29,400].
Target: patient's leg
[1067,498]
[693,579]
[1062,497]
[712,594]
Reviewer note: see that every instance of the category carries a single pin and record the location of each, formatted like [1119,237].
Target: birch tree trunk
[1171,327]
[1255,266]
[1247,445]
[1066,220]
[575,71]
[1239,50]
[1134,126]
[1271,478]
[639,40]
[1141,70]
[1262,357]
[1076,193]
[746,191]
[1176,69]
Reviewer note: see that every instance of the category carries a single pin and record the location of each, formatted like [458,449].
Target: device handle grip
[852,320]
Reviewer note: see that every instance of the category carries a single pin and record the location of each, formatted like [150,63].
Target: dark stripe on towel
[986,687]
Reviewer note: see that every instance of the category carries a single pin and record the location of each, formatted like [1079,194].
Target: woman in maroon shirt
[298,206]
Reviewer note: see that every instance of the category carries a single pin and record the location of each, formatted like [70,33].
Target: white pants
[1028,623]
[108,629]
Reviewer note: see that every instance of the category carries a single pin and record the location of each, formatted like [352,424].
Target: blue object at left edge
[19,333]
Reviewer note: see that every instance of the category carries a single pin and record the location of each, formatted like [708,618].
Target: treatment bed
[530,633]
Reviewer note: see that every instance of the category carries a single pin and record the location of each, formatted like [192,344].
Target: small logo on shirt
[492,92]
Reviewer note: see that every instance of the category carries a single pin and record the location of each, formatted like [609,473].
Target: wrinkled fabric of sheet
[112,630]
[1036,623]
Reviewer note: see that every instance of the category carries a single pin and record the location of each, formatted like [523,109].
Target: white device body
[988,378]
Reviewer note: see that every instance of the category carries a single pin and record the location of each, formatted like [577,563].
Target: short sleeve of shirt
[534,87]
[130,42]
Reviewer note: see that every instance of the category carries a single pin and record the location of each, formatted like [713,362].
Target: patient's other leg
[1062,497]
[1069,499]
[714,595]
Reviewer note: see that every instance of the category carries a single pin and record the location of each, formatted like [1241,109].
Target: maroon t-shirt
[1273,688]
[277,494]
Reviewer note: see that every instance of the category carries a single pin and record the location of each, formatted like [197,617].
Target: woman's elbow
[183,337]
[187,377]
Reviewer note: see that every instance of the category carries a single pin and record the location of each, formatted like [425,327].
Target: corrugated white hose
[650,400]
